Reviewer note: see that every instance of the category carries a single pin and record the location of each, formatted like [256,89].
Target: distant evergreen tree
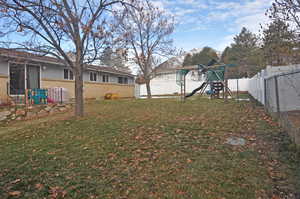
[278,43]
[245,53]
[187,60]
[203,57]
[227,57]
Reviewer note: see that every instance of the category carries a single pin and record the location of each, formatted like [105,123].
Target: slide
[196,90]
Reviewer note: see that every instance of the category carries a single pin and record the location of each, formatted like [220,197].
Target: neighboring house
[164,83]
[163,80]
[20,71]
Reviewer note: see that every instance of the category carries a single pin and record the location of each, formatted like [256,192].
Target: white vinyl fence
[256,87]
[278,88]
[238,84]
[169,86]
[279,91]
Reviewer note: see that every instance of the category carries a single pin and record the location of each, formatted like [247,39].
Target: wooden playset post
[223,94]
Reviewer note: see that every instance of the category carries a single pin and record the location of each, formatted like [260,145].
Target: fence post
[237,89]
[265,93]
[61,97]
[277,95]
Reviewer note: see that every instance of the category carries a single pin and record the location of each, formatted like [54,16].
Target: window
[122,80]
[105,78]
[71,75]
[93,76]
[68,74]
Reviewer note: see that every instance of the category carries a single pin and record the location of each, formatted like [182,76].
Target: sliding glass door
[17,79]
[33,76]
[23,77]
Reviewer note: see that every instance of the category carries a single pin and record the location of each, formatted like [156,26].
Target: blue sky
[213,22]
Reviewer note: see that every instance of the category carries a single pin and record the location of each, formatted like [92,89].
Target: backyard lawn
[158,148]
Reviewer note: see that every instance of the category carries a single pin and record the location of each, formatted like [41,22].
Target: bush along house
[20,71]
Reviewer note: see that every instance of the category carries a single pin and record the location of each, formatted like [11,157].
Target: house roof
[25,56]
[168,66]
[11,53]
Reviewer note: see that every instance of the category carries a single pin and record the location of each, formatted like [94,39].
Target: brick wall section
[98,90]
[67,84]
[92,90]
[3,89]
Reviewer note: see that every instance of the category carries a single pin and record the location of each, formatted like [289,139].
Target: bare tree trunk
[148,89]
[79,100]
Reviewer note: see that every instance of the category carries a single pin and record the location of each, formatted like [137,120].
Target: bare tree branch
[57,27]
[146,29]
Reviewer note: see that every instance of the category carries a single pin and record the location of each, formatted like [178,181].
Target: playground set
[214,79]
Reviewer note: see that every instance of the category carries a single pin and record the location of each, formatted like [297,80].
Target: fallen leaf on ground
[39,186]
[15,181]
[15,193]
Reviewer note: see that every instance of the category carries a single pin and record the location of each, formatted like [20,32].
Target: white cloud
[249,14]
[225,42]
[215,11]
[231,15]
[251,22]
[243,12]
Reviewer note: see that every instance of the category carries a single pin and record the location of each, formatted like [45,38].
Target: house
[164,81]
[21,70]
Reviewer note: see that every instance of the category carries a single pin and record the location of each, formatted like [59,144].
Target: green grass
[143,149]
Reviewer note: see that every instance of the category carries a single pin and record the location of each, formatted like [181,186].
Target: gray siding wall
[113,78]
[131,80]
[56,72]
[3,68]
[53,72]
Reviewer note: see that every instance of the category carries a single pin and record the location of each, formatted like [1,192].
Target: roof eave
[60,64]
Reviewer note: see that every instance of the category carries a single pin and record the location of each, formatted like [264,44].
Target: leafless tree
[287,11]
[146,29]
[58,27]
